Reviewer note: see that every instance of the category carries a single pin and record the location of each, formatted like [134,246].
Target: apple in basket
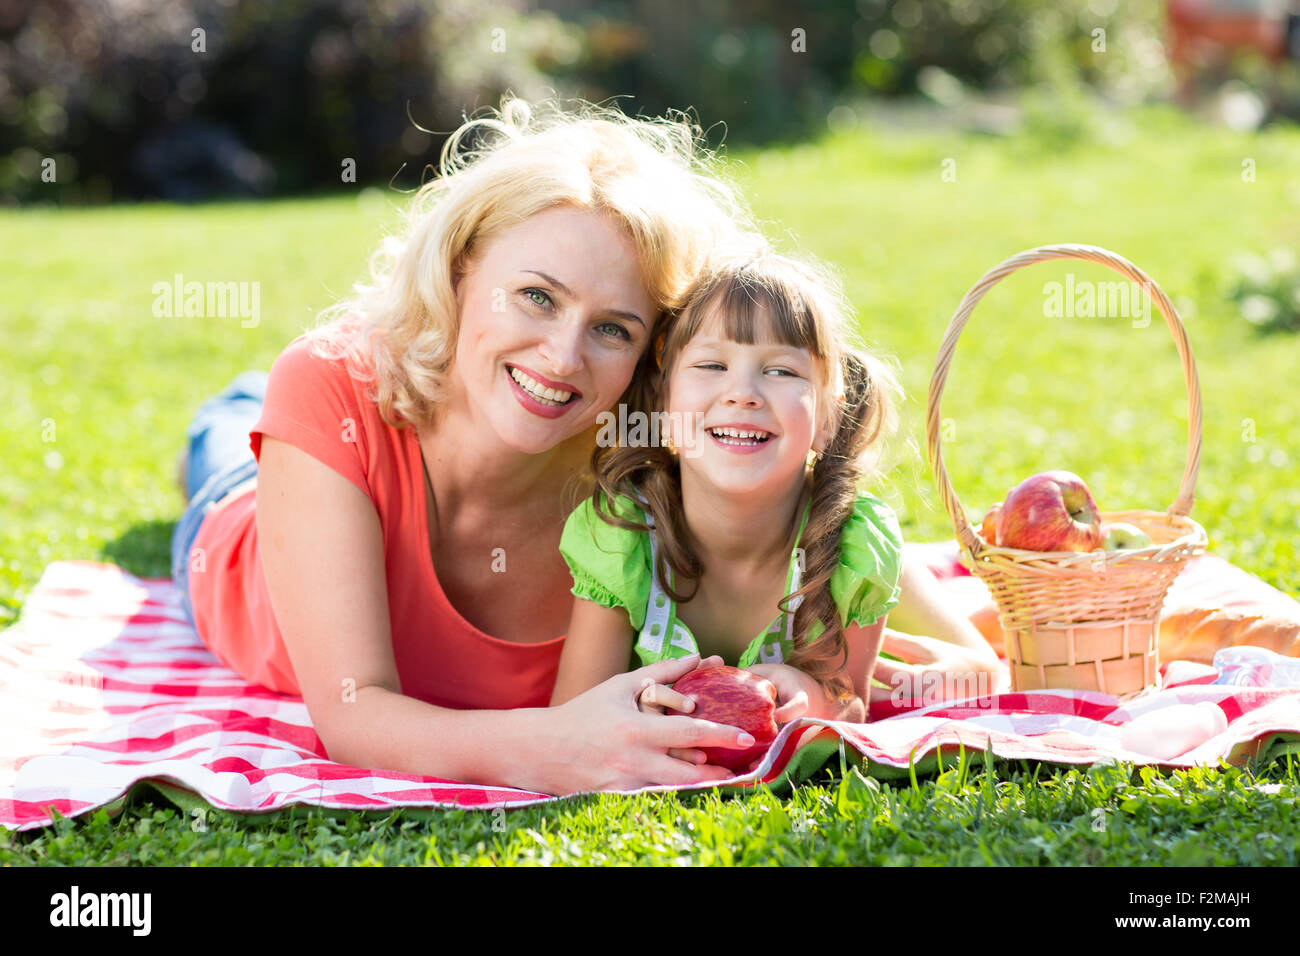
[989,529]
[737,698]
[1053,511]
[1122,536]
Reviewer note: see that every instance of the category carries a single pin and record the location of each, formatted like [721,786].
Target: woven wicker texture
[1080,621]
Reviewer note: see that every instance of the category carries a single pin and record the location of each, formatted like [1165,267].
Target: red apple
[737,698]
[1053,511]
[989,529]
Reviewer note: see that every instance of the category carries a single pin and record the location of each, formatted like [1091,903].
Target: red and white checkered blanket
[104,685]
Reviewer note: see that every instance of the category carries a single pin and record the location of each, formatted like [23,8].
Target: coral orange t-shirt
[314,404]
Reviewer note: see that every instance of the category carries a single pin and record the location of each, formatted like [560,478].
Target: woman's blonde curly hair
[655,177]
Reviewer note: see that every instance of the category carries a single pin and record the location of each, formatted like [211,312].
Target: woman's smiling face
[554,317]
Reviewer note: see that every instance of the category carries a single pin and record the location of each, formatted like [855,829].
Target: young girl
[751,520]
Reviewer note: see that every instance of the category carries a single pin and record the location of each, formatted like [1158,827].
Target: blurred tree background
[102,100]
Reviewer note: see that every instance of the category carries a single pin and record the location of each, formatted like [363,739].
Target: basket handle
[1183,503]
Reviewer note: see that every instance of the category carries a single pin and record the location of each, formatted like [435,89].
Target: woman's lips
[533,405]
[545,382]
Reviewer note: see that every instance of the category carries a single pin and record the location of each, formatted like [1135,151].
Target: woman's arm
[322,551]
[322,554]
[598,646]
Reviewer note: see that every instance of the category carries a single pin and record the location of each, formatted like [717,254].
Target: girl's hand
[600,741]
[797,694]
[934,670]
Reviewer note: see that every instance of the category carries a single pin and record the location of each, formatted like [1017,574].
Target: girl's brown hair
[800,303]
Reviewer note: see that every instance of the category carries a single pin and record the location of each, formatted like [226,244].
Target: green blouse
[613,567]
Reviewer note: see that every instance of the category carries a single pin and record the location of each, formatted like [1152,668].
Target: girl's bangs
[757,312]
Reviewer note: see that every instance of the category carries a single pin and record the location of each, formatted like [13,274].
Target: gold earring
[668,443]
[814,456]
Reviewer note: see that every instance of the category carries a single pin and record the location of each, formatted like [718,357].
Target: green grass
[97,393]
[968,815]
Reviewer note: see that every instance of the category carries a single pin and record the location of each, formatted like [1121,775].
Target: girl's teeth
[538,391]
[736,436]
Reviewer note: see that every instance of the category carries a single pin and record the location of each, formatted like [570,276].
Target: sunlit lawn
[97,392]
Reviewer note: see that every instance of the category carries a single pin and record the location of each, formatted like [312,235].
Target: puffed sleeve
[311,402]
[865,585]
[610,565]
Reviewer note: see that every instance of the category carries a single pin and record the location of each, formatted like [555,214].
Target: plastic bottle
[1246,666]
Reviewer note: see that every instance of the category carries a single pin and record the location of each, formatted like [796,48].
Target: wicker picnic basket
[1072,620]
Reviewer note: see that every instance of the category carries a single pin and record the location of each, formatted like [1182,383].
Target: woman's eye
[619,332]
[783,371]
[545,299]
[709,365]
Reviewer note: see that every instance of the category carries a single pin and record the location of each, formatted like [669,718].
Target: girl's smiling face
[745,416]
[553,320]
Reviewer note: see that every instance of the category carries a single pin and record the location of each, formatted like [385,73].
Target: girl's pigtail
[654,473]
[836,479]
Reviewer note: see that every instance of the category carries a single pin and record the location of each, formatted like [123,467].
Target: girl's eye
[545,299]
[719,365]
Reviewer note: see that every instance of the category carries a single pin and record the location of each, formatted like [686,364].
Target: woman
[395,561]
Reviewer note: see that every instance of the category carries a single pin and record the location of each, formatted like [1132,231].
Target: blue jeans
[219,460]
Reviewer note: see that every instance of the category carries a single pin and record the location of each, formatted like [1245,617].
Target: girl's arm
[944,655]
[598,646]
[800,695]
[922,609]
[952,655]
[864,651]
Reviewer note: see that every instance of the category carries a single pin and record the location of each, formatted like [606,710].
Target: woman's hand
[600,740]
[660,698]
[934,670]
